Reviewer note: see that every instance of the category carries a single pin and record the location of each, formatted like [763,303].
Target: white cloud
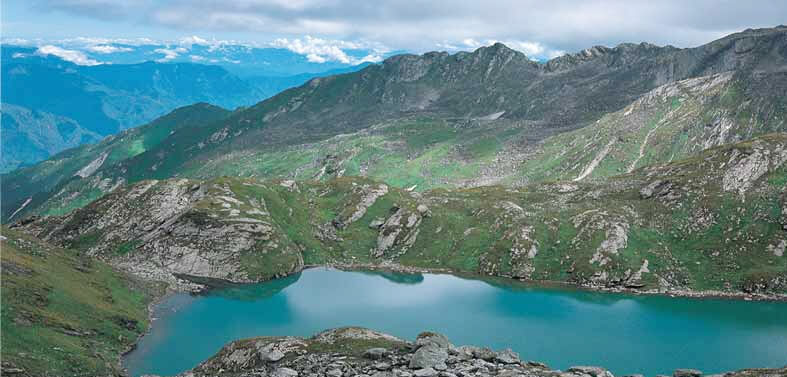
[16,41]
[197,58]
[169,53]
[86,42]
[371,58]
[421,25]
[73,56]
[319,50]
[108,49]
[194,40]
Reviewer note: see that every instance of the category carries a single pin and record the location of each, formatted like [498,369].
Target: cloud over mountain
[73,56]
[543,28]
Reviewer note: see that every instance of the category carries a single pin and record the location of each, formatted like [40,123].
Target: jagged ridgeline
[436,120]
[638,166]
[716,221]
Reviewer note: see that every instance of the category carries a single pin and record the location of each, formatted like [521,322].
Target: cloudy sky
[326,28]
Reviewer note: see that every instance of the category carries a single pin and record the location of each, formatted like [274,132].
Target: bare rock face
[747,166]
[370,196]
[659,188]
[176,229]
[399,231]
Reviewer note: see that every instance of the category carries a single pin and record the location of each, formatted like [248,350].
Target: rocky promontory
[359,352]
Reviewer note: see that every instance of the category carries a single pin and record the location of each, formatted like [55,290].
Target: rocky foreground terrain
[358,352]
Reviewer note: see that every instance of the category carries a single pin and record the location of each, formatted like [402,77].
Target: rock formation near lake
[361,352]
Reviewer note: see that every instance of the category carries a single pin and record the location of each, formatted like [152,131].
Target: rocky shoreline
[359,352]
[190,286]
[707,294]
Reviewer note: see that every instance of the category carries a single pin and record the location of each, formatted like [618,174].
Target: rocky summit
[359,352]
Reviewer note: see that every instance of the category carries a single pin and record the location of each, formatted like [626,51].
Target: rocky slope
[717,221]
[363,352]
[471,119]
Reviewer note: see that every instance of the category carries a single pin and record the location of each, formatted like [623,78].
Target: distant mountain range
[285,58]
[50,104]
[440,120]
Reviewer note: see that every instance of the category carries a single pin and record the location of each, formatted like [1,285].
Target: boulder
[426,338]
[375,353]
[426,372]
[485,354]
[284,372]
[423,210]
[507,356]
[591,371]
[270,354]
[429,356]
[686,373]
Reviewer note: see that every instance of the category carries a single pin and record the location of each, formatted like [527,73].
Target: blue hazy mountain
[49,104]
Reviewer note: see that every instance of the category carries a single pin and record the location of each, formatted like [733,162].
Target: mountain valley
[638,169]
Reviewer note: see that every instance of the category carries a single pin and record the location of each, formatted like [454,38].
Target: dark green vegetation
[63,313]
[469,119]
[712,222]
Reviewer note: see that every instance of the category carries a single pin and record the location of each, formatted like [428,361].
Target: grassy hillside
[716,221]
[30,187]
[64,314]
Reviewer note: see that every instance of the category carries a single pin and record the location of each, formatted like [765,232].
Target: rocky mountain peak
[497,50]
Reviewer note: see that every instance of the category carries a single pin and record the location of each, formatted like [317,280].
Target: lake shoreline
[378,273]
[676,293]
[158,296]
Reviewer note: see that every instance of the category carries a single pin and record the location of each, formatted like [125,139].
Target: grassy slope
[44,181]
[64,314]
[705,238]
[672,122]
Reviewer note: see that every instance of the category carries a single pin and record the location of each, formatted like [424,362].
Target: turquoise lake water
[624,333]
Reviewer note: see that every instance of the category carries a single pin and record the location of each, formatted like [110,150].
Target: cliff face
[712,222]
[363,352]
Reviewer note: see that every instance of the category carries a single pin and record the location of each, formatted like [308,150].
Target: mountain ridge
[64,98]
[455,92]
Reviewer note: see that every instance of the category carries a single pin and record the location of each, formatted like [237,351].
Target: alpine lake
[561,327]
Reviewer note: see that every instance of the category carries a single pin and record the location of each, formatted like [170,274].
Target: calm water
[626,334]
